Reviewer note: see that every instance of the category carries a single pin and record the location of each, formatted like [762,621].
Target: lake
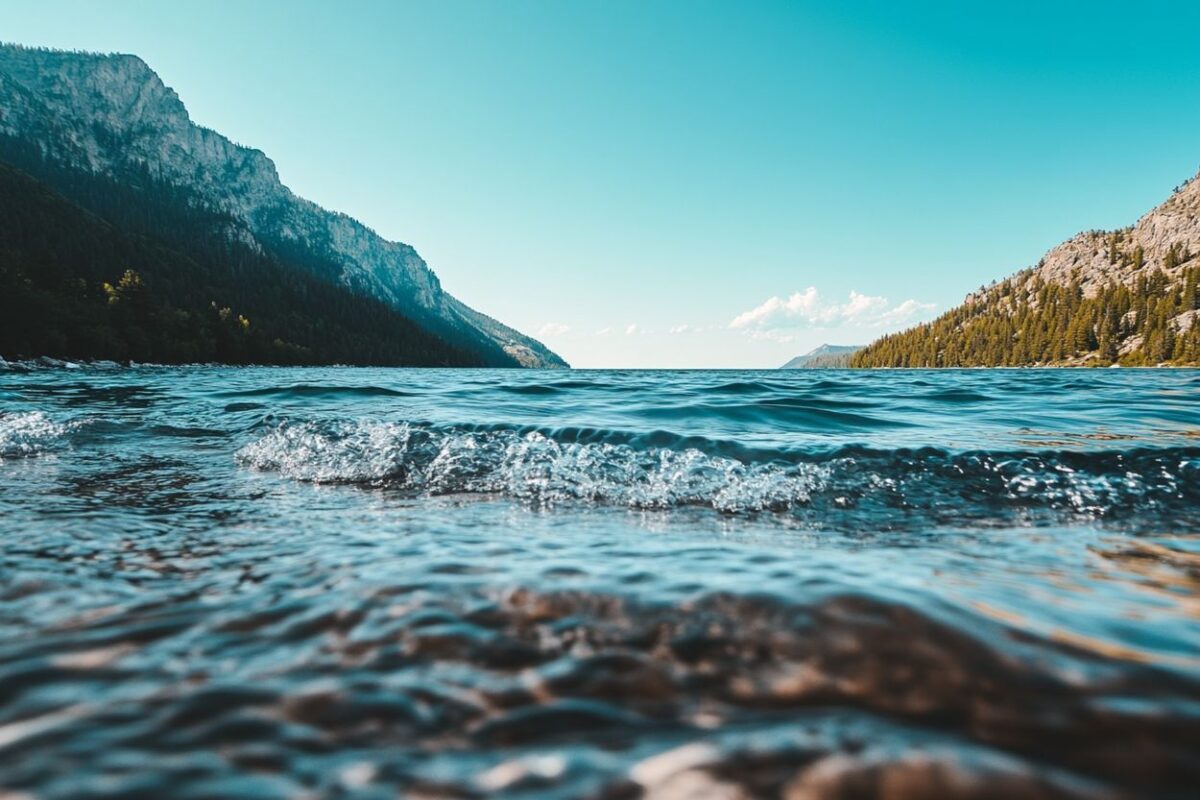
[337,582]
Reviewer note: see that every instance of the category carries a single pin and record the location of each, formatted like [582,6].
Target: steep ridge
[112,115]
[1127,296]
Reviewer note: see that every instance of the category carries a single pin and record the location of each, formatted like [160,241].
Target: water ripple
[365,583]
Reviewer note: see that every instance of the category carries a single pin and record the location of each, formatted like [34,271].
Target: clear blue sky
[609,171]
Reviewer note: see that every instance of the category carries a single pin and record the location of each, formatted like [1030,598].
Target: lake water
[220,582]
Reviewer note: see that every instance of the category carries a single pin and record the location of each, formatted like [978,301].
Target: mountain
[1126,297]
[88,124]
[827,356]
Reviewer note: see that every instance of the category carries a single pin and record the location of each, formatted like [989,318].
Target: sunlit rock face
[1173,224]
[111,113]
[1099,258]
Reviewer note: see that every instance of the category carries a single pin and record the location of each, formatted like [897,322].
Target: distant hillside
[827,356]
[1103,297]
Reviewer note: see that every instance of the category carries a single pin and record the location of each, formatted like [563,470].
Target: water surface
[220,582]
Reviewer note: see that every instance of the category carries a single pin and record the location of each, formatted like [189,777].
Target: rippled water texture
[369,583]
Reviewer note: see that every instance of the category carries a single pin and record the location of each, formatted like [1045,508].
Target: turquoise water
[258,582]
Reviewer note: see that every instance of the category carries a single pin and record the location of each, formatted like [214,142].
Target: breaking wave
[29,434]
[661,471]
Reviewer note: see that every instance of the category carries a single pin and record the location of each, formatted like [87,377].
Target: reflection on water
[359,583]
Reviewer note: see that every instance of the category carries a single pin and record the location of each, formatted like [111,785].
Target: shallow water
[223,582]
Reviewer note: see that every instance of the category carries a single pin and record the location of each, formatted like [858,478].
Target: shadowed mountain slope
[73,119]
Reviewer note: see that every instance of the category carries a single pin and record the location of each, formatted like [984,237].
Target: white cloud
[632,329]
[807,309]
[861,306]
[682,329]
[553,329]
[905,311]
[604,332]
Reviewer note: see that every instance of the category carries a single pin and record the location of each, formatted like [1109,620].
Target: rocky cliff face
[1097,259]
[108,113]
[1101,258]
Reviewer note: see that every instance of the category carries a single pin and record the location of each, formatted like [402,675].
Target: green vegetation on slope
[169,283]
[1027,321]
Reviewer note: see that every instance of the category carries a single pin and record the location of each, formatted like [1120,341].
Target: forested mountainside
[75,286]
[106,134]
[1103,297]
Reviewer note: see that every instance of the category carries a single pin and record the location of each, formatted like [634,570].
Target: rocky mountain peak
[119,112]
[1100,258]
[119,90]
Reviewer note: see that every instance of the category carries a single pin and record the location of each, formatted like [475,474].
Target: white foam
[29,433]
[530,466]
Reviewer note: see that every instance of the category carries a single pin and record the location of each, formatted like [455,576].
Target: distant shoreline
[46,363]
